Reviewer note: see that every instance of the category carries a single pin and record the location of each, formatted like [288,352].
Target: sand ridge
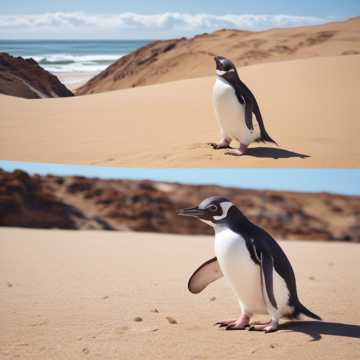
[176,59]
[66,294]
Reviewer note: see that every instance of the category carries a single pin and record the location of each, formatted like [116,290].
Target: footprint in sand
[41,323]
[121,330]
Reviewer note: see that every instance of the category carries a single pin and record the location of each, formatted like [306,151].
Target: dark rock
[25,78]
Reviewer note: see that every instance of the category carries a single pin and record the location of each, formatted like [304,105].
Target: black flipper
[248,114]
[204,275]
[267,265]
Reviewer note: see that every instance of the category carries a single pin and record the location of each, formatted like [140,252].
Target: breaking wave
[76,63]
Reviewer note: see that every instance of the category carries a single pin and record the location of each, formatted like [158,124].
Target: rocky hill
[177,59]
[91,203]
[25,78]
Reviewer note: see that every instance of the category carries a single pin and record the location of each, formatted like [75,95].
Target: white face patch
[222,72]
[225,206]
[207,222]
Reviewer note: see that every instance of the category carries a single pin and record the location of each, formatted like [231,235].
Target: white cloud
[65,23]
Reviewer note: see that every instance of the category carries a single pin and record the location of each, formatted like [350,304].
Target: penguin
[234,106]
[253,264]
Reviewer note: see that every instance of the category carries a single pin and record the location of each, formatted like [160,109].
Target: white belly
[231,114]
[244,276]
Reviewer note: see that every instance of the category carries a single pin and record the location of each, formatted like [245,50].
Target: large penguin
[234,106]
[252,262]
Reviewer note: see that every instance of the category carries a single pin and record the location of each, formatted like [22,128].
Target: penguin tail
[266,137]
[301,309]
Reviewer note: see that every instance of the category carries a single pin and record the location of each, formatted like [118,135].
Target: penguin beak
[195,211]
[217,60]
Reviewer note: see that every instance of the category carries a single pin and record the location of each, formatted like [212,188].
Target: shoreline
[74,79]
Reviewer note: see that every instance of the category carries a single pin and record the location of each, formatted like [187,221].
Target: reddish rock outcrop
[25,78]
[87,203]
[29,201]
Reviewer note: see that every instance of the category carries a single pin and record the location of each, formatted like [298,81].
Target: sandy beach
[169,125]
[73,80]
[106,295]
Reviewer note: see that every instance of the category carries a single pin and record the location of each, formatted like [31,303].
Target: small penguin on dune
[234,106]
[252,262]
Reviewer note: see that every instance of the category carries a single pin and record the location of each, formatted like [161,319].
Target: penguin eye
[213,208]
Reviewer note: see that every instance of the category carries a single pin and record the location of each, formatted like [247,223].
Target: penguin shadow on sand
[274,153]
[315,329]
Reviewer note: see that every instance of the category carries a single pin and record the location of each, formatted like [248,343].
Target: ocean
[69,59]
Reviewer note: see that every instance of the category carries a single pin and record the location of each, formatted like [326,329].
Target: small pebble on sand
[155,310]
[213,298]
[171,320]
[138,319]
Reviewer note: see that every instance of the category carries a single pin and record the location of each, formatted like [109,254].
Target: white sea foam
[76,63]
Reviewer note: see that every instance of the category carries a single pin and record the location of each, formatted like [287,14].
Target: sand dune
[176,59]
[310,107]
[72,294]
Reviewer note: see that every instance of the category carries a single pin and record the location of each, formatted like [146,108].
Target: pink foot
[237,152]
[240,324]
[223,144]
[271,326]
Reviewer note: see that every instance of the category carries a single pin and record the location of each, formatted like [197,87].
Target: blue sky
[159,19]
[344,8]
[341,181]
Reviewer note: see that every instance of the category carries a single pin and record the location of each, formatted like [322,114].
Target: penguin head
[223,66]
[211,210]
